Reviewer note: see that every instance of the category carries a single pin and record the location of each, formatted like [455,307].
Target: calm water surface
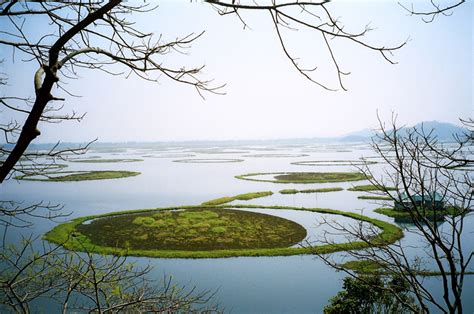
[294,284]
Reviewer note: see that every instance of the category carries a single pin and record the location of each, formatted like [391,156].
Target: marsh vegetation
[371,187]
[333,163]
[192,230]
[66,176]
[320,190]
[208,160]
[304,177]
[138,233]
[100,160]
[240,197]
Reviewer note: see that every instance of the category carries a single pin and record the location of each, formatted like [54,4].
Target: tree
[371,293]
[100,35]
[71,281]
[418,166]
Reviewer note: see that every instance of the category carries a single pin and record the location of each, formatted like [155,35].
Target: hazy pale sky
[265,96]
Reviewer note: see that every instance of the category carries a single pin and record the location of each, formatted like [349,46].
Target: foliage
[372,293]
[419,165]
[67,279]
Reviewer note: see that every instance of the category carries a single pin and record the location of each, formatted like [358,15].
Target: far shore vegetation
[69,176]
[304,177]
[320,190]
[240,197]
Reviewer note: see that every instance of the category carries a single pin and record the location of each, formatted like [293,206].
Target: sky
[265,97]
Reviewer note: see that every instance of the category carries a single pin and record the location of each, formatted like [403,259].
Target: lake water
[294,284]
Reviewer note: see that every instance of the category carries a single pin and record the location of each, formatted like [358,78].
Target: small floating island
[333,163]
[304,177]
[208,160]
[66,176]
[100,161]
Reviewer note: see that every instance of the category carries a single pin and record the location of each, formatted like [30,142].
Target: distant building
[428,201]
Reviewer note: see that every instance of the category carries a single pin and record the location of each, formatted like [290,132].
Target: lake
[293,284]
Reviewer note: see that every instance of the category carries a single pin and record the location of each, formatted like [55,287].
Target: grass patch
[333,163]
[375,198]
[240,197]
[404,216]
[68,176]
[208,160]
[305,177]
[371,187]
[66,234]
[35,167]
[371,267]
[99,161]
[362,266]
[289,191]
[321,190]
[200,229]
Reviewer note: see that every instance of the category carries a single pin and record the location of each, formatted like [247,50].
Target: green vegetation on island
[66,234]
[305,177]
[321,190]
[68,176]
[374,197]
[406,216]
[240,197]
[371,267]
[40,167]
[371,187]
[193,230]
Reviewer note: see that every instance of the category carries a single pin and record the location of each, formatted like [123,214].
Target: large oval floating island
[203,232]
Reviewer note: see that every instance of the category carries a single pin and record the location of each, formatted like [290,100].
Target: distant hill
[442,130]
[358,136]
